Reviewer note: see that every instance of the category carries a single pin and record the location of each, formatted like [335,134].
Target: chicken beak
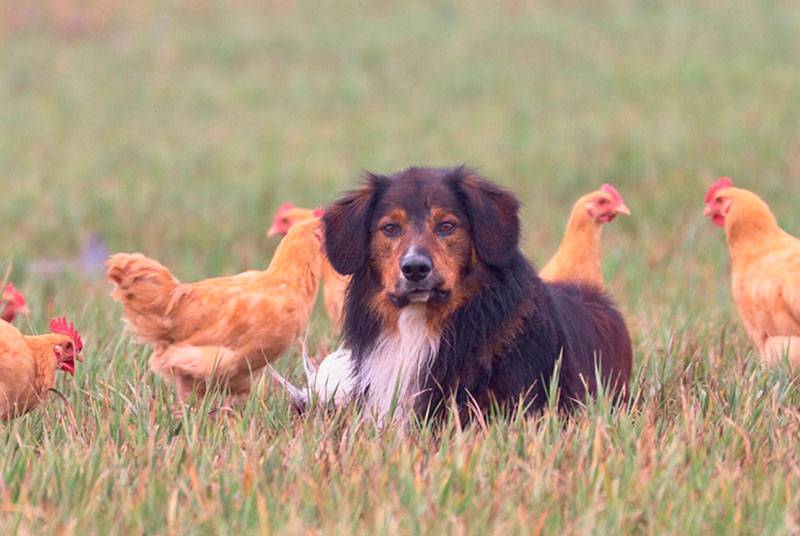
[622,209]
[708,211]
[273,231]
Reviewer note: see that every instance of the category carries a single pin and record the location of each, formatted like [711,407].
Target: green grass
[177,128]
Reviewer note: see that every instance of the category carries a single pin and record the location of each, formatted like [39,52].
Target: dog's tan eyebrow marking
[439,214]
[397,215]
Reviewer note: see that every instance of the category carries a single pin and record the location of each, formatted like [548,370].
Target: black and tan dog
[443,305]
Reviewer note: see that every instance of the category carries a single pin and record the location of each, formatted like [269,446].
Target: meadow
[177,128]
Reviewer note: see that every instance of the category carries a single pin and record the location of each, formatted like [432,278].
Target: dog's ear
[493,214]
[347,221]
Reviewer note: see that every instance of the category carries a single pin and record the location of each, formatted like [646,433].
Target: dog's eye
[445,228]
[391,230]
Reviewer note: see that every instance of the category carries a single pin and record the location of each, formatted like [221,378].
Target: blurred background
[177,128]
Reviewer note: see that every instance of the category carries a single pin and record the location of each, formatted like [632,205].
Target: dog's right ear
[347,222]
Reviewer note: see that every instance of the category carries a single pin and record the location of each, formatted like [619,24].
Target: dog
[444,308]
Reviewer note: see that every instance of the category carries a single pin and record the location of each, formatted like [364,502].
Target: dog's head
[422,232]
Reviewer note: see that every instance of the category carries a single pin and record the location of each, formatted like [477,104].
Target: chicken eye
[603,201]
[391,230]
[445,228]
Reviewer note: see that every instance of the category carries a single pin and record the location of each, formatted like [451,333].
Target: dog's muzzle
[419,282]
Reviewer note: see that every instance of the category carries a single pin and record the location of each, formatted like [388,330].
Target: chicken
[334,285]
[12,303]
[226,329]
[578,256]
[28,364]
[765,270]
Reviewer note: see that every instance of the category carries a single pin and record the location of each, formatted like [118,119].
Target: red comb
[13,294]
[722,182]
[610,190]
[287,205]
[319,212]
[63,327]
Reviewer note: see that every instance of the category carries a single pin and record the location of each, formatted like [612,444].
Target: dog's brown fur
[499,328]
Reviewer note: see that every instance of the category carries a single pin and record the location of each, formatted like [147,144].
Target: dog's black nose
[416,267]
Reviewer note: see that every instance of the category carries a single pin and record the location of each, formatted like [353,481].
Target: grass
[176,128]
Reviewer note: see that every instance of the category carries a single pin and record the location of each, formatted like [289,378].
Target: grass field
[176,128]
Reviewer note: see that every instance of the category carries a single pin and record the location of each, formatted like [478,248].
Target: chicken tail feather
[147,290]
[297,397]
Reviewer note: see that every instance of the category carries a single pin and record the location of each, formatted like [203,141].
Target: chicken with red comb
[334,285]
[12,303]
[283,219]
[578,258]
[765,270]
[217,334]
[28,364]
[721,184]
[62,326]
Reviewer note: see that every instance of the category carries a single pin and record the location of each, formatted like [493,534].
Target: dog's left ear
[347,222]
[493,214]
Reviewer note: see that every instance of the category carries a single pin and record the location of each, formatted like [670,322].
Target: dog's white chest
[392,372]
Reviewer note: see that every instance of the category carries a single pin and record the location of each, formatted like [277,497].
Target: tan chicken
[765,270]
[219,332]
[334,285]
[28,364]
[579,256]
